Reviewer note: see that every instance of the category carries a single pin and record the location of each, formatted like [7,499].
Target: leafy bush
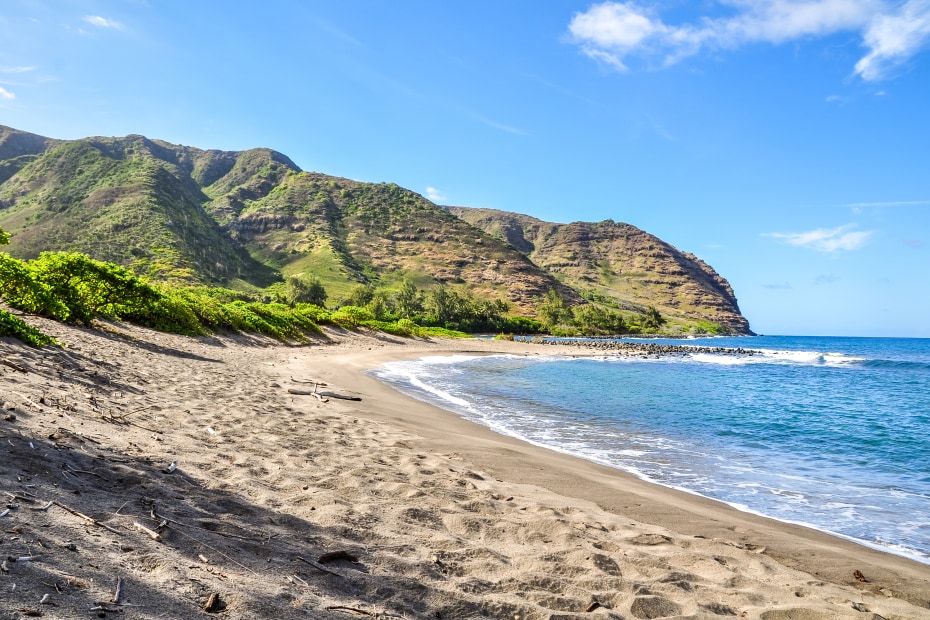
[14,326]
[351,316]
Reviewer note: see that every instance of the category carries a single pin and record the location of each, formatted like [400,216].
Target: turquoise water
[829,432]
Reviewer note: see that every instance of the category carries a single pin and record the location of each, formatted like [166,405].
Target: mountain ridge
[247,219]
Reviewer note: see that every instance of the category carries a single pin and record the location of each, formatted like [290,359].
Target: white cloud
[826,239]
[434,195]
[5,94]
[611,32]
[894,38]
[102,22]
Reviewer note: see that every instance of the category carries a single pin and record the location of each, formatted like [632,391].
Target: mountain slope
[617,264]
[247,219]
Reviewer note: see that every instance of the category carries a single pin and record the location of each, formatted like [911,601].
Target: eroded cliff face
[618,264]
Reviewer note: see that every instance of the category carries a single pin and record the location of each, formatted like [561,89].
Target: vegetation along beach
[456,311]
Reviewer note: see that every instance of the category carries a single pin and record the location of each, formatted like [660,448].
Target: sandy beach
[146,475]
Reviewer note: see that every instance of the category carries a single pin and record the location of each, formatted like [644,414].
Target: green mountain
[248,219]
[618,265]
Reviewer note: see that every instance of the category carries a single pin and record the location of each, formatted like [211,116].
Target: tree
[443,305]
[360,295]
[305,290]
[653,319]
[381,305]
[552,310]
[409,300]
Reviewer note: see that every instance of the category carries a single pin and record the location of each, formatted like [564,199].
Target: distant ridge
[246,219]
[617,263]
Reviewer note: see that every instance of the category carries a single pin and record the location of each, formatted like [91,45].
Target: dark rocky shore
[645,348]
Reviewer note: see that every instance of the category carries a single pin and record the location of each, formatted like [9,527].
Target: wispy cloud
[502,127]
[826,239]
[614,32]
[899,203]
[914,243]
[5,94]
[102,22]
[434,195]
[827,278]
[17,69]
[777,285]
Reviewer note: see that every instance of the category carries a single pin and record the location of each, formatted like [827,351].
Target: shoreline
[250,483]
[838,556]
[634,350]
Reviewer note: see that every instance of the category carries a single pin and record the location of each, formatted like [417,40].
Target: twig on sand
[319,567]
[150,533]
[310,382]
[91,520]
[117,592]
[213,604]
[13,365]
[355,610]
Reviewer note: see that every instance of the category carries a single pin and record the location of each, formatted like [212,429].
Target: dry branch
[309,382]
[13,365]
[150,533]
[319,567]
[91,520]
[355,610]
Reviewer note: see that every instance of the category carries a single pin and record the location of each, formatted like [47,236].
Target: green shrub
[14,326]
[351,316]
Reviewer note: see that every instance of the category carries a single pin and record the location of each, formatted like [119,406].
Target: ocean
[833,433]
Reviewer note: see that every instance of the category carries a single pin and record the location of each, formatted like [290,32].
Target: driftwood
[340,396]
[117,592]
[308,382]
[213,604]
[321,395]
[150,533]
[13,365]
[355,610]
[91,520]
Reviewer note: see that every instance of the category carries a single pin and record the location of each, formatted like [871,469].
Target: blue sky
[785,142]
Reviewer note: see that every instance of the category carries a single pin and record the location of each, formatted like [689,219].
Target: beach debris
[90,520]
[340,396]
[318,566]
[13,365]
[171,468]
[214,604]
[354,610]
[859,576]
[44,600]
[117,592]
[150,533]
[309,382]
[594,605]
[335,556]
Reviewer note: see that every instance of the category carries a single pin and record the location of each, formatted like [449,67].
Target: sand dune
[424,515]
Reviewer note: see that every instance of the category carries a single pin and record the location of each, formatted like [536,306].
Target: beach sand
[423,514]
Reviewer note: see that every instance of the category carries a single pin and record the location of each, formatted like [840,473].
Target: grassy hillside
[247,220]
[618,265]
